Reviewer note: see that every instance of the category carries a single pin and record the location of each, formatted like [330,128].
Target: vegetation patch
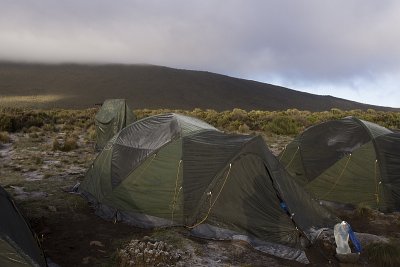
[4,137]
[69,144]
[384,254]
[147,252]
[363,211]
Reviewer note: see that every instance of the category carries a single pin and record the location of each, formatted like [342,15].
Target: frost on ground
[38,176]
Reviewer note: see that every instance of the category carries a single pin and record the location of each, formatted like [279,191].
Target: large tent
[113,116]
[18,246]
[174,170]
[348,161]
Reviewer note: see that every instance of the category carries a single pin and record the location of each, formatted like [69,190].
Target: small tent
[348,161]
[174,170]
[113,116]
[18,246]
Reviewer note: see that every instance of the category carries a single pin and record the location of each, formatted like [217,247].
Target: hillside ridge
[154,87]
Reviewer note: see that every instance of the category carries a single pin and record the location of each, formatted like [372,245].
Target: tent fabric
[18,246]
[348,161]
[113,116]
[175,170]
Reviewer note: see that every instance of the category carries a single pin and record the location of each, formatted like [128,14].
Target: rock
[96,243]
[147,253]
[366,239]
[146,238]
[326,241]
[52,208]
[348,258]
[86,260]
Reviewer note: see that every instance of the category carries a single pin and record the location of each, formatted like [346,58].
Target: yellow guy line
[215,200]
[290,162]
[376,184]
[140,175]
[340,176]
[176,194]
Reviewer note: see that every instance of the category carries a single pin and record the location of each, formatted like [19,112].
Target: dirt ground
[72,235]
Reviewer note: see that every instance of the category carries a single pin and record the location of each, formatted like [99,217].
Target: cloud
[313,42]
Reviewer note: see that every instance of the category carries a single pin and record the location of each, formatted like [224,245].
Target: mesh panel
[139,140]
[388,147]
[189,125]
[136,142]
[322,145]
[204,155]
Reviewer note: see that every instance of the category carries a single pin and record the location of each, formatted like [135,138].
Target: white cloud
[315,43]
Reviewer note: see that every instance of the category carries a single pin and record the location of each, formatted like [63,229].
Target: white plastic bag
[341,232]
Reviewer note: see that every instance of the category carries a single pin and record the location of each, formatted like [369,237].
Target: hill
[153,87]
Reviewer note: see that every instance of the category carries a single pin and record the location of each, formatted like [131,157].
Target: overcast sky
[344,48]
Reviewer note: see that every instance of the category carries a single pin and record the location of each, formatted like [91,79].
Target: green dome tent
[347,161]
[174,170]
[113,116]
[18,246]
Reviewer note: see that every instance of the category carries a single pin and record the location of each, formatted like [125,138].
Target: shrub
[5,123]
[91,133]
[33,135]
[70,143]
[283,125]
[364,211]
[244,128]
[38,160]
[4,137]
[238,114]
[56,144]
[13,120]
[33,129]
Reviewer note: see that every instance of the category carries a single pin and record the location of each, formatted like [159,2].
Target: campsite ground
[37,172]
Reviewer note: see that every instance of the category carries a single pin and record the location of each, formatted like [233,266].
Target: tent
[113,116]
[18,246]
[174,170]
[347,161]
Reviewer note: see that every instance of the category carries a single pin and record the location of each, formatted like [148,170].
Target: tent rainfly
[18,246]
[174,170]
[348,161]
[113,116]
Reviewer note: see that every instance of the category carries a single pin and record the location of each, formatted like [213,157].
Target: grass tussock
[4,138]
[56,145]
[364,211]
[384,254]
[70,143]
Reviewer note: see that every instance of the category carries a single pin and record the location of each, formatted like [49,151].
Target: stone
[348,258]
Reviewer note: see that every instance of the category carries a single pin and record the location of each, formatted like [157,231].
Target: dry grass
[4,137]
[384,254]
[70,143]
[365,212]
[56,144]
[28,100]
